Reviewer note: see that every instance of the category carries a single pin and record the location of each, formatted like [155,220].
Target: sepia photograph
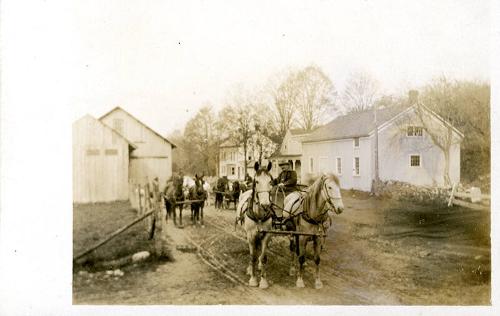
[323,153]
[267,154]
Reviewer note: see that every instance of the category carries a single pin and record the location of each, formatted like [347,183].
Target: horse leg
[192,214]
[201,213]
[302,259]
[253,260]
[317,250]
[293,246]
[180,214]
[174,212]
[263,262]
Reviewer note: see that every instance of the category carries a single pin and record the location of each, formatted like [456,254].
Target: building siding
[100,163]
[153,156]
[324,155]
[396,165]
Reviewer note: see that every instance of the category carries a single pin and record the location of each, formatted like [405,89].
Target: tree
[199,137]
[360,92]
[465,104]
[315,100]
[284,93]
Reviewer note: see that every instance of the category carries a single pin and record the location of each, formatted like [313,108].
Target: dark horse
[173,193]
[197,192]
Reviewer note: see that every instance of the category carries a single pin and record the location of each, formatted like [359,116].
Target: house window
[413,131]
[92,152]
[339,165]
[356,142]
[356,166]
[232,171]
[414,160]
[111,152]
[311,164]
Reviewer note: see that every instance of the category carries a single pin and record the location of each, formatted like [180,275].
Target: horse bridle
[327,197]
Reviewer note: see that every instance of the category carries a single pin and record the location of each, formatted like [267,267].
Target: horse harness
[322,217]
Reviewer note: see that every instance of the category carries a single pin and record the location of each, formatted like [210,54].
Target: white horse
[255,207]
[309,214]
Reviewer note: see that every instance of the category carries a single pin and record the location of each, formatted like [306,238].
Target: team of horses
[180,190]
[307,214]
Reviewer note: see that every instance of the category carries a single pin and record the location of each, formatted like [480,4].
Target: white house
[406,152]
[291,150]
[153,155]
[100,162]
[232,161]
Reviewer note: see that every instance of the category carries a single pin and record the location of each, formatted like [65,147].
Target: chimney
[412,97]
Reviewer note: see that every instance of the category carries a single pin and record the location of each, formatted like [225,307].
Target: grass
[94,222]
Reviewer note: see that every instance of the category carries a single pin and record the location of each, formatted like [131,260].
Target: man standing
[286,182]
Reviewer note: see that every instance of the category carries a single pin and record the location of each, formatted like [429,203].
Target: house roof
[357,124]
[138,121]
[109,128]
[299,131]
[229,143]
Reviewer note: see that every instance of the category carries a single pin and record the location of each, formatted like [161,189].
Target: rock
[118,272]
[109,272]
[478,257]
[83,273]
[91,275]
[139,256]
[424,253]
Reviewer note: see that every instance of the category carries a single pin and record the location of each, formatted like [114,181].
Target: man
[286,182]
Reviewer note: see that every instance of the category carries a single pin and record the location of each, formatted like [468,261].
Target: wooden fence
[150,212]
[471,198]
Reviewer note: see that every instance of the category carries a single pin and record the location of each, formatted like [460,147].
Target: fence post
[453,189]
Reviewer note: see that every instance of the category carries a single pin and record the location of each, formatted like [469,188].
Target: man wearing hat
[287,180]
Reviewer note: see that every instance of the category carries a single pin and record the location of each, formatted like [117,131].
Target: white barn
[153,155]
[100,162]
[346,147]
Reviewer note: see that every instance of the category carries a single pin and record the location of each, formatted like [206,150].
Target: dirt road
[377,252]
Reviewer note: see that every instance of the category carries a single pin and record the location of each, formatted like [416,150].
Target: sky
[163,60]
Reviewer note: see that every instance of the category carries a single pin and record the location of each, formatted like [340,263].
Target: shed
[153,156]
[100,162]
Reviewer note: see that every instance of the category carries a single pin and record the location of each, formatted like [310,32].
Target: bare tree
[360,92]
[199,139]
[316,94]
[423,121]
[284,93]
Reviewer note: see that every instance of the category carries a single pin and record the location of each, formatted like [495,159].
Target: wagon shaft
[292,232]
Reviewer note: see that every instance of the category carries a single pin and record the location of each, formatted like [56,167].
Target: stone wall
[417,194]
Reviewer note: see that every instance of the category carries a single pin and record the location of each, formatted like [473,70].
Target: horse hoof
[263,284]
[292,272]
[318,284]
[300,283]
[253,282]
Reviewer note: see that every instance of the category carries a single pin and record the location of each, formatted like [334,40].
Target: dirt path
[374,254]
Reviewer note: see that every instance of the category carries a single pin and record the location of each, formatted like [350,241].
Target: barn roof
[88,116]
[138,121]
[351,125]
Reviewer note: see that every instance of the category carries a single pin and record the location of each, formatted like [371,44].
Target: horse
[174,193]
[197,192]
[308,213]
[254,211]
[220,187]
